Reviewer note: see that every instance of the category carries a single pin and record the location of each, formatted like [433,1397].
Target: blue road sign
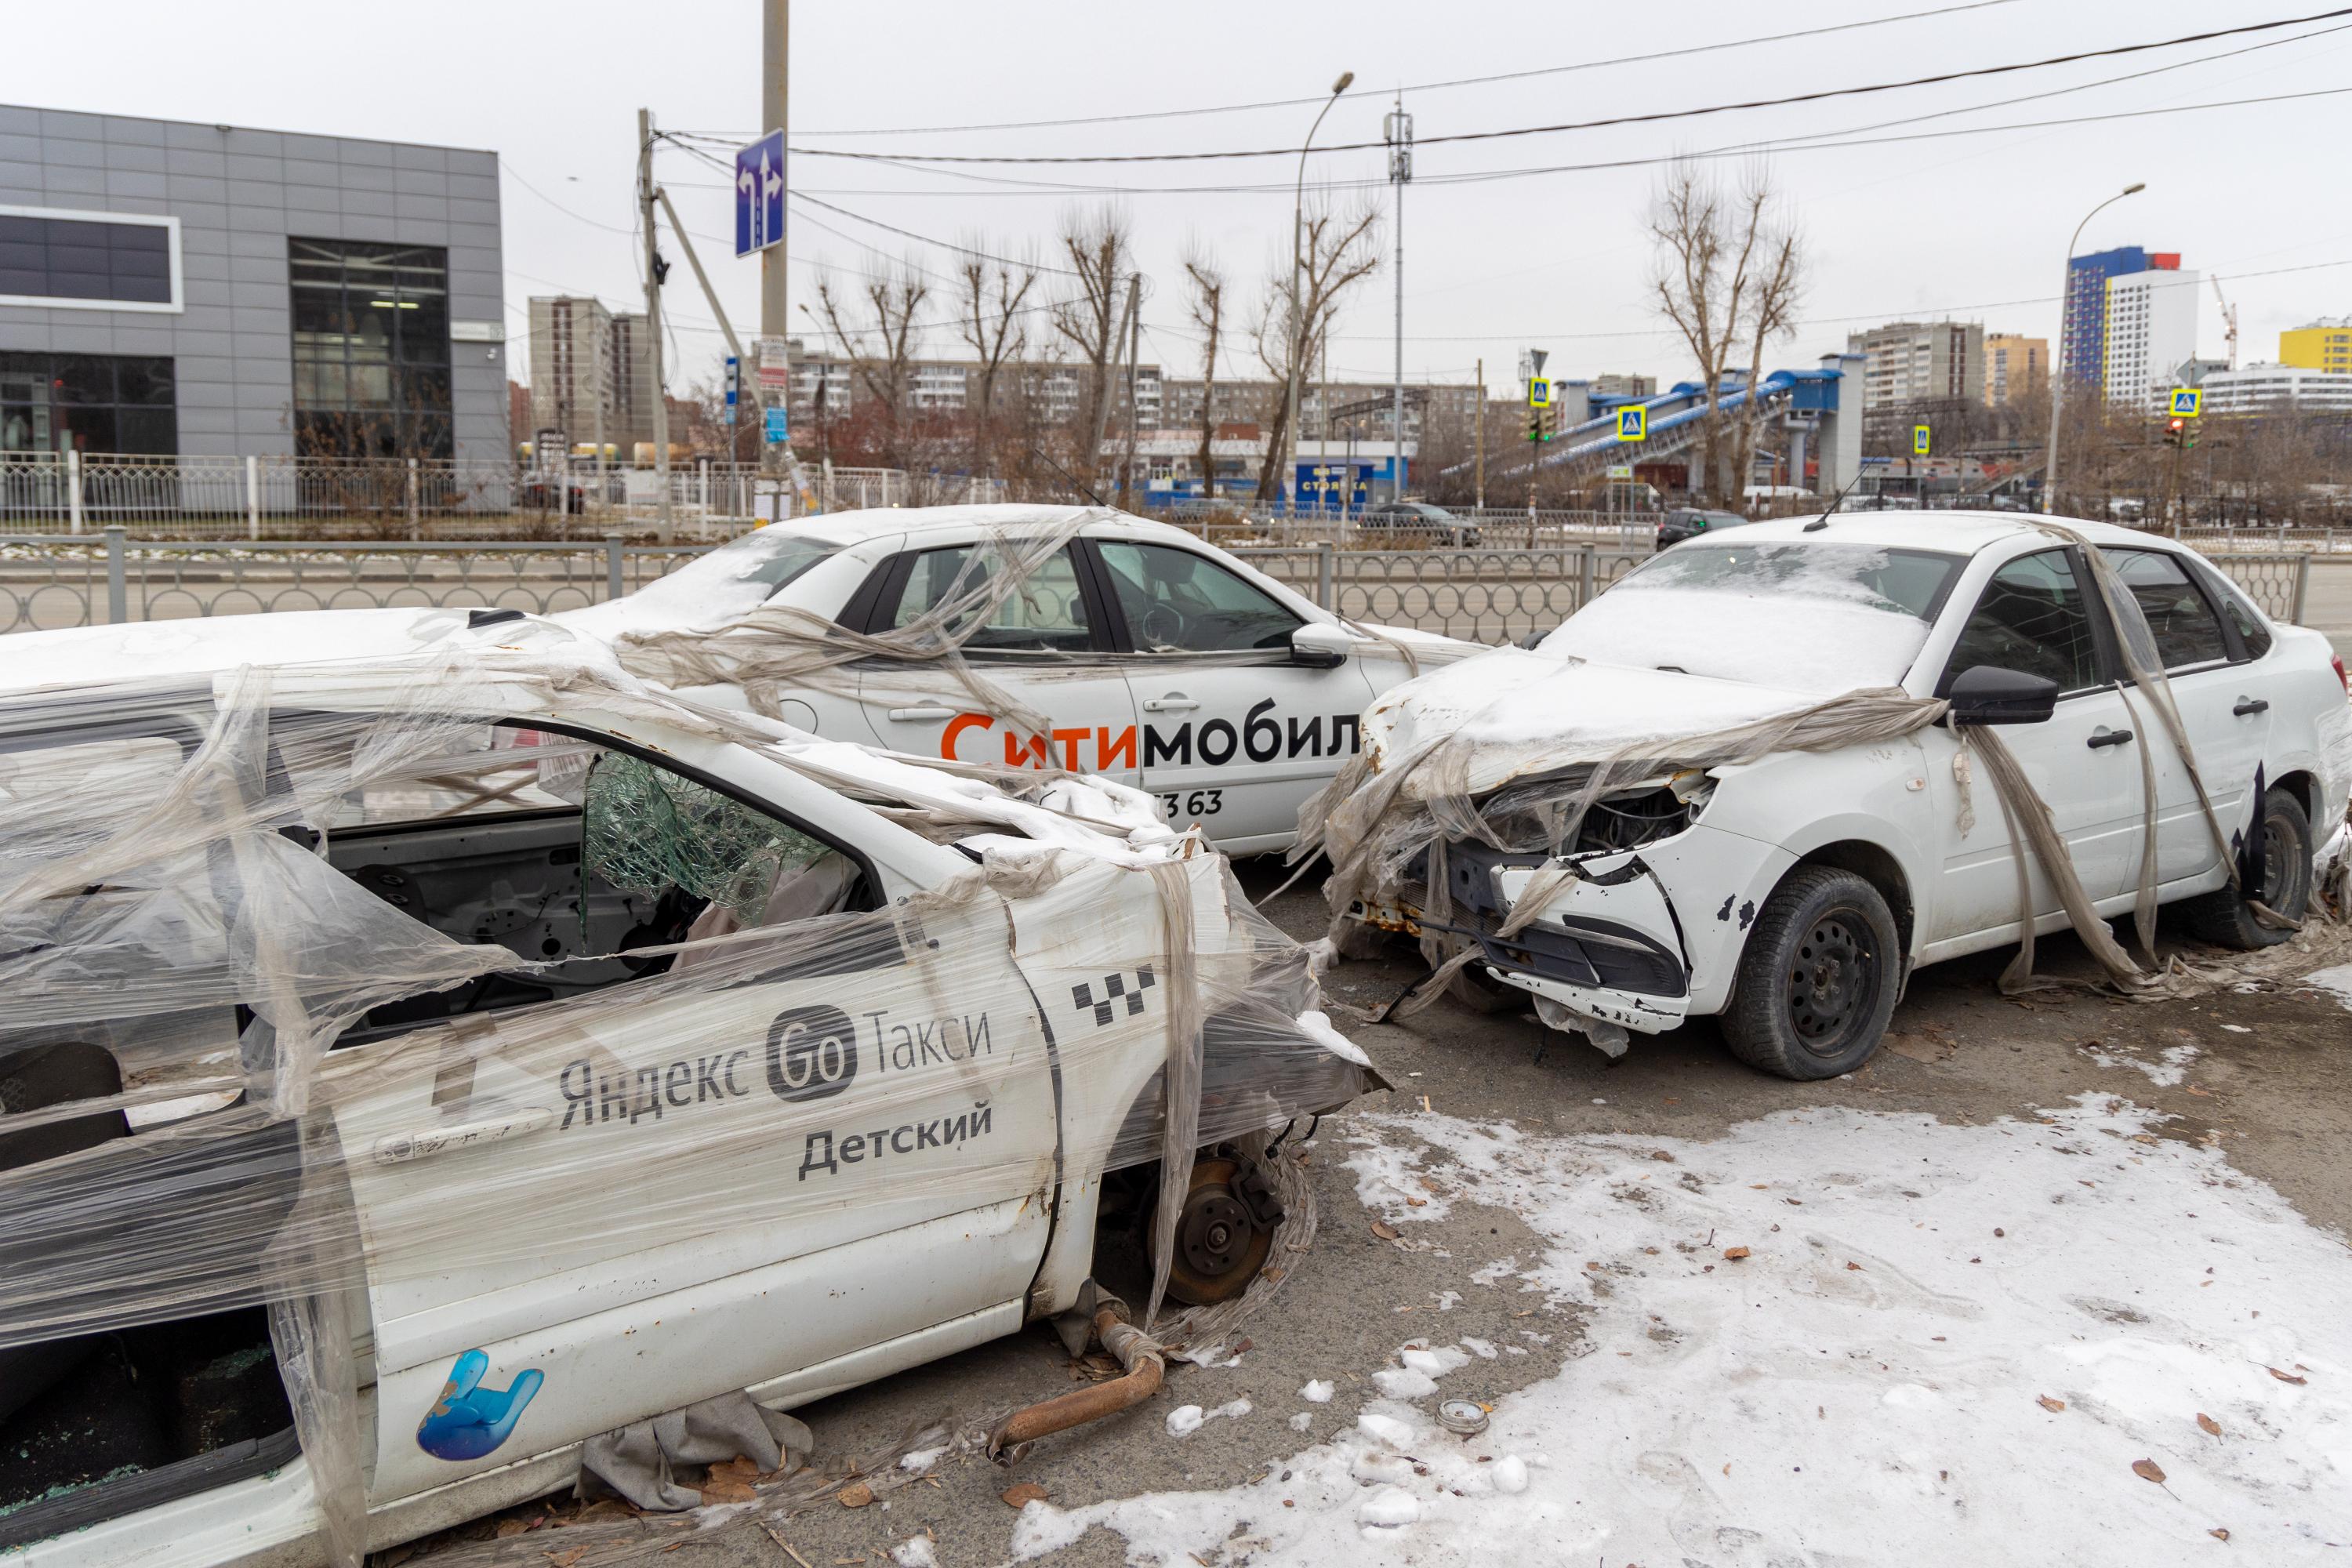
[1633,424]
[734,385]
[760,194]
[776,432]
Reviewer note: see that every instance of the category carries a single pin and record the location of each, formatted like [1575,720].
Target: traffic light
[2176,432]
[1536,424]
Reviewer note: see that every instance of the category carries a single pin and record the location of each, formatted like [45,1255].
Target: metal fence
[1488,595]
[1237,527]
[415,499]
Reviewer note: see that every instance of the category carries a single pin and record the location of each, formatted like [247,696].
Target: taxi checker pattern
[1114,987]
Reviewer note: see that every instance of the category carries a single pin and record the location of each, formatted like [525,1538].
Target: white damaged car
[1791,895]
[431,1052]
[1150,657]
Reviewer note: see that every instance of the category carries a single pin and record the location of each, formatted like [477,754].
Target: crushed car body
[1760,778]
[434,1050]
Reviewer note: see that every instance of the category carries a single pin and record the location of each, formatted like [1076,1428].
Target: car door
[2224,702]
[1235,734]
[2035,615]
[773,1167]
[1041,644]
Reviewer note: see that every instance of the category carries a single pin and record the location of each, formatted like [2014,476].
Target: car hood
[1517,714]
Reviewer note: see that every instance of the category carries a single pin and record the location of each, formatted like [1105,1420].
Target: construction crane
[2229,318]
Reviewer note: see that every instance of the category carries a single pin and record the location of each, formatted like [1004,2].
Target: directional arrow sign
[760,194]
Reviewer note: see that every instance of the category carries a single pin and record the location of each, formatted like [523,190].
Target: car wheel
[1816,984]
[1472,985]
[1218,1250]
[2221,916]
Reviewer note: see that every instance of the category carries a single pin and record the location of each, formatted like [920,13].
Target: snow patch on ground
[2336,982]
[915,1552]
[1883,1378]
[1186,1419]
[2164,1073]
[1317,1392]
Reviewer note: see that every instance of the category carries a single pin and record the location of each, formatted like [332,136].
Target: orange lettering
[1070,741]
[1039,753]
[956,727]
[1109,751]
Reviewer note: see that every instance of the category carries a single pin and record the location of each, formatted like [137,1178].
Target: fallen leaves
[1853,1268]
[856,1494]
[2052,1405]
[2213,1427]
[565,1559]
[2219,1534]
[2286,1376]
[1734,1254]
[1384,1230]
[1022,1496]
[2149,1471]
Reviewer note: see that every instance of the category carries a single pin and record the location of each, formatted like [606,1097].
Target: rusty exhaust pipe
[1146,1361]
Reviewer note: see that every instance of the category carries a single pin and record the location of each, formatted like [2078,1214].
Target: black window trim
[2106,650]
[176,305]
[1114,615]
[2233,647]
[875,606]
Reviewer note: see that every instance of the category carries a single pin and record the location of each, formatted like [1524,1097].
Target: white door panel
[1089,713]
[1239,748]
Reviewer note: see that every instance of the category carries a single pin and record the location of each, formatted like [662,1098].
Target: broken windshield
[1812,617]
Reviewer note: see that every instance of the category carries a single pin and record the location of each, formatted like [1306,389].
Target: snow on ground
[2073,1340]
[2337,981]
[2164,1073]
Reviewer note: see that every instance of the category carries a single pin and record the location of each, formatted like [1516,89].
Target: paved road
[2278,1099]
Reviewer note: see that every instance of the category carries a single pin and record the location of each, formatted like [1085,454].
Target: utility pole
[1398,135]
[1128,486]
[1480,426]
[775,56]
[655,267]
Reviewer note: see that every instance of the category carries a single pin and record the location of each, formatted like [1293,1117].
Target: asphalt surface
[2276,1097]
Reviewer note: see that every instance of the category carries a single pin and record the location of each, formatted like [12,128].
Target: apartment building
[2013,366]
[2260,388]
[1907,362]
[2150,331]
[2323,345]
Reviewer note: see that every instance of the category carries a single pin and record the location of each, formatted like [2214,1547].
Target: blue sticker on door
[468,1421]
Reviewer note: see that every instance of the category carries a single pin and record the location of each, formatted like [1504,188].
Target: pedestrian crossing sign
[1633,424]
[2186,402]
[1919,440]
[1538,391]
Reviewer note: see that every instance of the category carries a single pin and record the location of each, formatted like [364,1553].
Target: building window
[371,349]
[89,403]
[88,260]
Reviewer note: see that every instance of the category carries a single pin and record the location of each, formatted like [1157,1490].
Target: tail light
[2341,679]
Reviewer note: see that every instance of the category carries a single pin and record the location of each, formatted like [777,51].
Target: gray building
[1911,362]
[208,290]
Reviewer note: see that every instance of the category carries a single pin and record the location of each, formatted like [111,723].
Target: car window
[2186,629]
[2253,631]
[1176,602]
[2030,618]
[1044,614]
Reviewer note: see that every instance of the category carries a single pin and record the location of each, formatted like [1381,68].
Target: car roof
[875,523]
[200,647]
[1962,532]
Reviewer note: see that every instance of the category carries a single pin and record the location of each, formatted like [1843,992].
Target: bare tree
[1102,249]
[1728,273]
[1338,251]
[1205,299]
[877,332]
[991,317]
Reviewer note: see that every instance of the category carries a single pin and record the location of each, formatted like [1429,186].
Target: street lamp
[1298,324]
[2057,359]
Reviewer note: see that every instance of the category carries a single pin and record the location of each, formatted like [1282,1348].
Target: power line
[1416,86]
[1648,119]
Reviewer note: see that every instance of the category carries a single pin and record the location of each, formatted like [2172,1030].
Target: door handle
[399,1148]
[2107,737]
[2251,705]
[1174,702]
[917,715]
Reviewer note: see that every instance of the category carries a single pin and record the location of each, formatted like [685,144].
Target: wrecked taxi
[431,1052]
[1772,753]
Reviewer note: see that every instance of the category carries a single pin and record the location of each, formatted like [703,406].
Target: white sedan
[430,1050]
[1793,895]
[1156,659]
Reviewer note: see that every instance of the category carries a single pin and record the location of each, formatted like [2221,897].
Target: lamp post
[2058,359]
[1297,321]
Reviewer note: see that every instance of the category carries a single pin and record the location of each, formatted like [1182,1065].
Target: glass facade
[371,349]
[88,402]
[81,258]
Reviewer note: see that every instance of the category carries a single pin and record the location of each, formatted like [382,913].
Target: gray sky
[1557,260]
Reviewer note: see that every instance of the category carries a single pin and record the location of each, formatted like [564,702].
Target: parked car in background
[1687,523]
[1433,525]
[1160,660]
[1793,896]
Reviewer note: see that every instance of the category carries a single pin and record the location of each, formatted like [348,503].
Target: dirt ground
[2268,1084]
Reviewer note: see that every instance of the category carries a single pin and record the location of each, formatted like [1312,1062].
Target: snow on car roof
[873,522]
[1964,533]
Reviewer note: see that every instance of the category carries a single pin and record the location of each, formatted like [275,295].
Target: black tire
[1471,985]
[1817,981]
[2222,917]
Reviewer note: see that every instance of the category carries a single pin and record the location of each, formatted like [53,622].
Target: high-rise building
[2013,366]
[2150,331]
[2323,345]
[2083,327]
[571,368]
[1921,362]
[632,382]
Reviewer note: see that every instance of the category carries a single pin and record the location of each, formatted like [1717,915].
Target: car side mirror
[1318,645]
[1988,694]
